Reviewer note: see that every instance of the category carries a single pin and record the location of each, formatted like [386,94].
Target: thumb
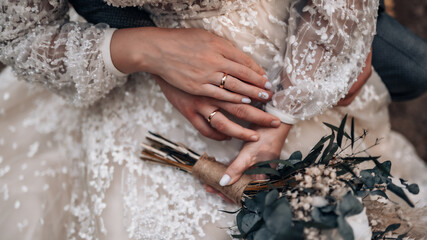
[235,170]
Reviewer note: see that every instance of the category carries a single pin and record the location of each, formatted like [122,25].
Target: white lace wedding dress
[69,166]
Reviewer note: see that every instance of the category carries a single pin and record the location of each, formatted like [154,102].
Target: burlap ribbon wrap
[210,172]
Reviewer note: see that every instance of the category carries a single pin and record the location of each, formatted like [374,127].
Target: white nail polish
[263,95]
[224,180]
[246,100]
[265,75]
[268,85]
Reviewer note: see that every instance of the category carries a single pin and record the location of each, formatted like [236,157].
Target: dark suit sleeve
[98,11]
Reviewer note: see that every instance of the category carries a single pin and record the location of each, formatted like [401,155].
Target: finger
[235,85]
[223,125]
[235,55]
[221,94]
[245,74]
[207,130]
[250,113]
[235,170]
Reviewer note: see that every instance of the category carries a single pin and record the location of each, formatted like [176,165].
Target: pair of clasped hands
[190,66]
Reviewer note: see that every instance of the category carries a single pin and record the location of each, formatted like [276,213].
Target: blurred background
[408,118]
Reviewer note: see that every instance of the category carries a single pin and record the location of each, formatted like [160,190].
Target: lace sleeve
[328,42]
[44,47]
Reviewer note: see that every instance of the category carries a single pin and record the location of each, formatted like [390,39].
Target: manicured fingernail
[268,85]
[275,123]
[265,75]
[224,180]
[254,138]
[263,95]
[246,100]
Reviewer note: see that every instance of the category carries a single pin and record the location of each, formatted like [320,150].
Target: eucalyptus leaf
[271,197]
[345,229]
[250,221]
[349,205]
[413,188]
[263,170]
[328,219]
[257,203]
[399,192]
[390,228]
[287,163]
[264,234]
[239,218]
[379,193]
[278,216]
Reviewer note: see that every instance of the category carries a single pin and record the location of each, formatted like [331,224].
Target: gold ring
[224,77]
[212,115]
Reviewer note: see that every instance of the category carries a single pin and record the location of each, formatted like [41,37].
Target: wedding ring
[224,77]
[212,115]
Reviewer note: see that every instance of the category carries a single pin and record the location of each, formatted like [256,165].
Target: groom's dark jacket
[98,11]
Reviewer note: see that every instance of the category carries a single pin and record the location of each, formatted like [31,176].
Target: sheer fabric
[74,173]
[44,47]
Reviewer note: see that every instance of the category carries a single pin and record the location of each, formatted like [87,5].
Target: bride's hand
[192,60]
[197,109]
[268,147]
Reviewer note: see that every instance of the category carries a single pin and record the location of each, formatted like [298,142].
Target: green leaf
[262,170]
[379,193]
[250,222]
[330,154]
[239,218]
[287,163]
[345,229]
[320,143]
[352,133]
[362,159]
[312,156]
[239,236]
[278,216]
[340,133]
[326,153]
[256,204]
[328,220]
[336,129]
[399,192]
[271,197]
[390,228]
[413,188]
[349,205]
[264,234]
[296,156]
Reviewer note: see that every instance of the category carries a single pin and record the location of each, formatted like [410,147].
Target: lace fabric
[74,173]
[44,47]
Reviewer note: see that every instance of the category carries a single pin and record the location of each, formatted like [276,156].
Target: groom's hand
[197,110]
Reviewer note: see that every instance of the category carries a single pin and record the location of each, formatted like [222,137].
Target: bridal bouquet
[330,192]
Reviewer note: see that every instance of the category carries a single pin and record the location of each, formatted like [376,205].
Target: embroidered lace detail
[43,47]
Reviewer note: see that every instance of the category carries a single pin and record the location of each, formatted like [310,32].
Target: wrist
[130,49]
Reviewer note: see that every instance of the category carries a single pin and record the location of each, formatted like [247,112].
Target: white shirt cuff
[106,54]
[284,117]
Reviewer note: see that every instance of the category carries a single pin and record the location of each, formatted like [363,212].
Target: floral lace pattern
[43,47]
[76,170]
